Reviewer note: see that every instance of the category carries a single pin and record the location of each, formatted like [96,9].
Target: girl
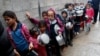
[35,21]
[44,16]
[71,16]
[67,29]
[40,49]
[18,34]
[79,13]
[53,21]
[89,16]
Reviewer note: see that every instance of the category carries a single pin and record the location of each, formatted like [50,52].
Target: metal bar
[39,9]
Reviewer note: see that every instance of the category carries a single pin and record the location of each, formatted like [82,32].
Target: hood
[51,9]
[65,10]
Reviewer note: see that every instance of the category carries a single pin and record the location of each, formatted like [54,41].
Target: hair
[44,12]
[42,23]
[88,4]
[66,5]
[10,14]
[70,4]
[64,12]
[33,30]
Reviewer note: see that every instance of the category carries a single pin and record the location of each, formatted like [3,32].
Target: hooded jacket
[90,14]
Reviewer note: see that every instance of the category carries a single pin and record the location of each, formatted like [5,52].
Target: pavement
[85,44]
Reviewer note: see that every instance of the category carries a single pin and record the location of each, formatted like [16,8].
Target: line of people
[50,35]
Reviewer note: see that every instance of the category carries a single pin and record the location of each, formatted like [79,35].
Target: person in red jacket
[89,16]
[40,49]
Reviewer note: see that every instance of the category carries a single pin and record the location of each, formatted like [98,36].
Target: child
[89,16]
[40,49]
[44,15]
[79,14]
[67,28]
[36,21]
[18,34]
[71,15]
[53,20]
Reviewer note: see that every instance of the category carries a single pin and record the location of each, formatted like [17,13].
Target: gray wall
[21,6]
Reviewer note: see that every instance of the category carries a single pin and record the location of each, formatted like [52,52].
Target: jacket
[25,33]
[90,14]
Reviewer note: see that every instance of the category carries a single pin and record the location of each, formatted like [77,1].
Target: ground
[85,44]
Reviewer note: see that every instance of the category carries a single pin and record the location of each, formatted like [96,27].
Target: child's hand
[30,46]
[60,34]
[16,53]
[71,27]
[28,14]
[86,16]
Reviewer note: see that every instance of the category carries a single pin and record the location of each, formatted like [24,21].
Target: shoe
[70,44]
[93,23]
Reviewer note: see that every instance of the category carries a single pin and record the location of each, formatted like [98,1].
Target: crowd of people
[50,35]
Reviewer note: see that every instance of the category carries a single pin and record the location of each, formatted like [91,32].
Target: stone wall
[21,6]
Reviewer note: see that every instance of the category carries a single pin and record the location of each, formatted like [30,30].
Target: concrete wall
[21,6]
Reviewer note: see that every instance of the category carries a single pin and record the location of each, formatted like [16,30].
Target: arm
[33,20]
[16,53]
[12,43]
[61,26]
[27,36]
[10,39]
[35,43]
[25,32]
